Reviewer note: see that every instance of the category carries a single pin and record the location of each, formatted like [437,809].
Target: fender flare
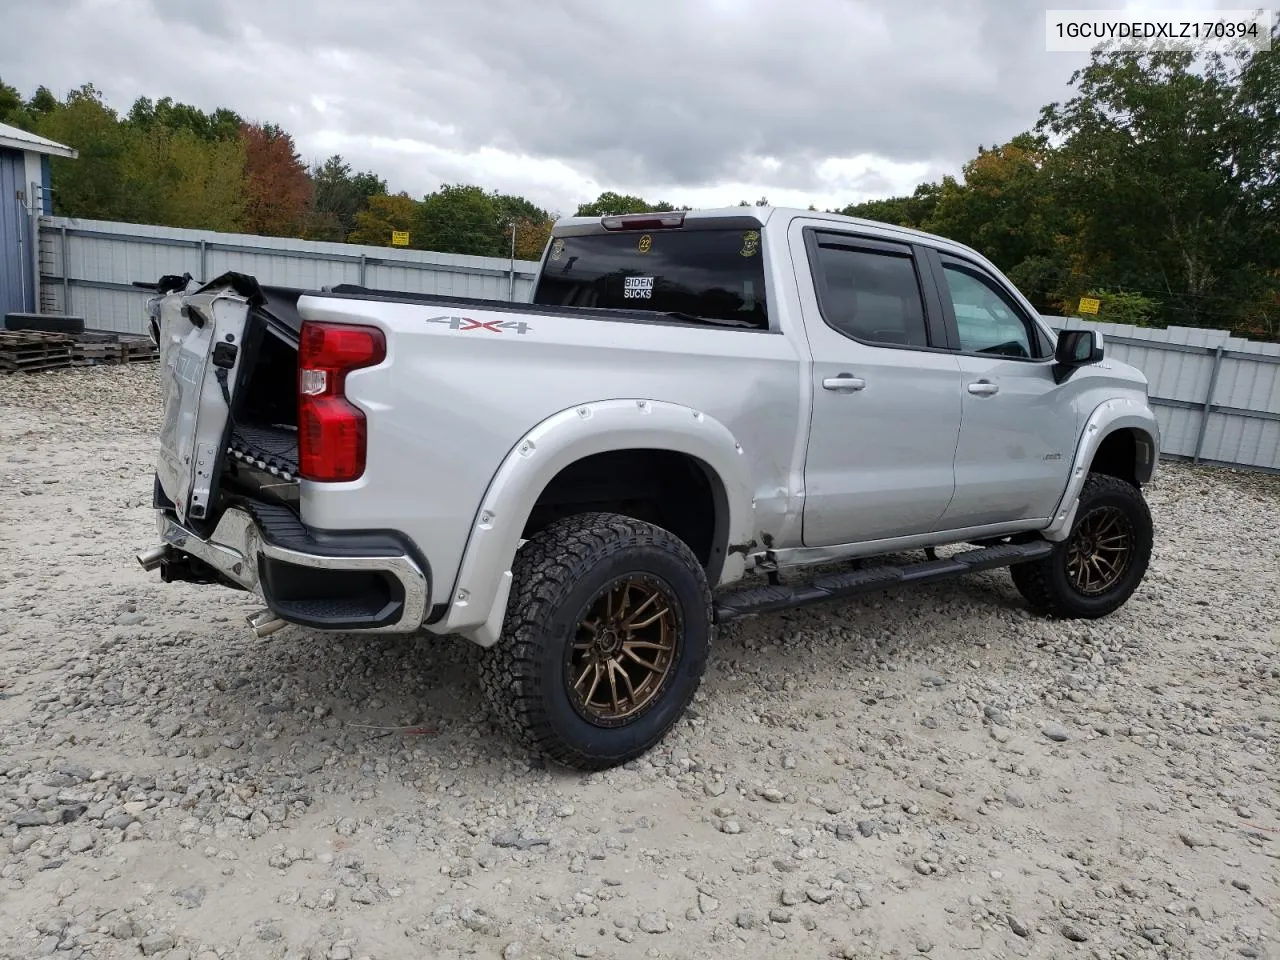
[477,605]
[1106,419]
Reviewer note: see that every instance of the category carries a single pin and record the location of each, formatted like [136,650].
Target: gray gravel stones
[155,943]
[1055,732]
[172,788]
[1074,933]
[653,923]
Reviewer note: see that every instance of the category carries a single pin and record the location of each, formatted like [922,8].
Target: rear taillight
[331,429]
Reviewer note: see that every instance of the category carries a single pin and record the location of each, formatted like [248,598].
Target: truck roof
[764,214]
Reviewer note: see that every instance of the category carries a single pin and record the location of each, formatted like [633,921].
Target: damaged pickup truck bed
[693,407]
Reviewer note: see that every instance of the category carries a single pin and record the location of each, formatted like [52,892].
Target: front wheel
[605,641]
[1097,568]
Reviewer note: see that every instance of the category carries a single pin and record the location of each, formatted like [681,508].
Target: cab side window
[987,319]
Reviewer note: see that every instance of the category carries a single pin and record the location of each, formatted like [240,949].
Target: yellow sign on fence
[399,238]
[1089,305]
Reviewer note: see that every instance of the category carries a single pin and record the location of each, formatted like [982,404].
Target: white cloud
[692,101]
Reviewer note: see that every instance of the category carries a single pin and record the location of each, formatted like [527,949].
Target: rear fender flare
[1106,419]
[477,605]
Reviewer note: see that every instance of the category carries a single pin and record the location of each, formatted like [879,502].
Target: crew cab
[693,407]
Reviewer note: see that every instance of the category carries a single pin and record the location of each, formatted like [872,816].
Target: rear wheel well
[1125,454]
[672,490]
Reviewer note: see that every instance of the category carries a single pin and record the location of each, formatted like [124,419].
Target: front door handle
[845,383]
[984,388]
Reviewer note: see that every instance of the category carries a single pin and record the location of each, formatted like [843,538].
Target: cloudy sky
[693,101]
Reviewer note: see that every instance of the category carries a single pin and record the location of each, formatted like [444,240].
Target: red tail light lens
[331,429]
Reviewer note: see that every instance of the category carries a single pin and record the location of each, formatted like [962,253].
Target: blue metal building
[24,196]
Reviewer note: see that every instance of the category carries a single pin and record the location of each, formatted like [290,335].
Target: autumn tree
[383,215]
[1003,206]
[277,189]
[531,237]
[184,180]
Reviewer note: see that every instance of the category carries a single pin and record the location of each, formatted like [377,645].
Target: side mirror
[1076,348]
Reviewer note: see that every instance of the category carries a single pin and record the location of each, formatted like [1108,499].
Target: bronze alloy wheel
[624,650]
[1100,551]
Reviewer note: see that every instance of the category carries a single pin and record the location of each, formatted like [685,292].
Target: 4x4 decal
[493,326]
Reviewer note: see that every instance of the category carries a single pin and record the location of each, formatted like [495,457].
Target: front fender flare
[477,605]
[1106,419]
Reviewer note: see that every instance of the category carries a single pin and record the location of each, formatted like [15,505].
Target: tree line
[1153,189]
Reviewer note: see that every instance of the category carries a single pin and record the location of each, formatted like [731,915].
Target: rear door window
[870,292]
[713,275]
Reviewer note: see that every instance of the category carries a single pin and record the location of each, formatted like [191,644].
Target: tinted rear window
[717,274]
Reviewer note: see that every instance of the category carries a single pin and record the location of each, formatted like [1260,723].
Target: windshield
[714,274]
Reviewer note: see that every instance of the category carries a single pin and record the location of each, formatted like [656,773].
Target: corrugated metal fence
[1217,396]
[88,267]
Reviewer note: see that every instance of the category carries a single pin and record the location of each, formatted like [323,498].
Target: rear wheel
[605,642]
[1097,568]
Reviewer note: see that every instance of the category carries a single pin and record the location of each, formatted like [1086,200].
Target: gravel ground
[930,771]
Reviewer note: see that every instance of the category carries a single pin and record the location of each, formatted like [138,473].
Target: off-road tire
[557,573]
[1046,584]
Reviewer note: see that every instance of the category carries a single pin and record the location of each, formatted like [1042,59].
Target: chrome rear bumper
[389,591]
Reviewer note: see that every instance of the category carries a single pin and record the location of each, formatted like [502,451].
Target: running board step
[766,599]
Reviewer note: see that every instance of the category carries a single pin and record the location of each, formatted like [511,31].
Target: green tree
[910,211]
[615,204]
[461,218]
[382,215]
[511,207]
[1121,306]
[43,102]
[338,196]
[221,124]
[1168,163]
[95,185]
[10,101]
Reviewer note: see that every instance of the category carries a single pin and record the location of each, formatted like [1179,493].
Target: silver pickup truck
[692,407]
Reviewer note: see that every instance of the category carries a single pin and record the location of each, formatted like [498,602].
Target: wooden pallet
[134,349]
[27,351]
[95,348]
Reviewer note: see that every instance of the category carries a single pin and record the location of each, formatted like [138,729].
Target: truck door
[886,390]
[1020,427]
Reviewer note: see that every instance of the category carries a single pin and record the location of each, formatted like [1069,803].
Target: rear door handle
[845,383]
[984,388]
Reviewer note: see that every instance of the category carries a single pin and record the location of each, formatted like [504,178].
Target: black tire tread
[1033,579]
[548,563]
